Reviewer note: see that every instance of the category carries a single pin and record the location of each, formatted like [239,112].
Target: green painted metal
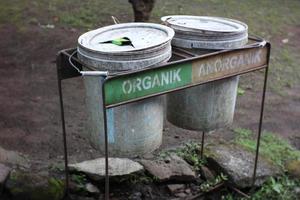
[147,83]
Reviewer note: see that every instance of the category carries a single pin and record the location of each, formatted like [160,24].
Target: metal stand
[67,69]
[63,129]
[202,145]
[260,125]
[106,144]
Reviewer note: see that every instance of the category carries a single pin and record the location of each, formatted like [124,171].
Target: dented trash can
[135,128]
[209,106]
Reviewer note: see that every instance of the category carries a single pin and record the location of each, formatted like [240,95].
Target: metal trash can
[209,106]
[135,128]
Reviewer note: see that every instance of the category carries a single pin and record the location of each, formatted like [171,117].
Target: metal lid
[142,35]
[205,24]
[207,32]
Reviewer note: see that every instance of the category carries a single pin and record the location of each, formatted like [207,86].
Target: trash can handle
[86,73]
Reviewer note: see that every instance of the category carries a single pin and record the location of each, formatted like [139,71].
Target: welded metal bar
[187,65]
[105,141]
[202,145]
[182,88]
[260,126]
[214,188]
[180,54]
[65,71]
[239,191]
[185,51]
[63,127]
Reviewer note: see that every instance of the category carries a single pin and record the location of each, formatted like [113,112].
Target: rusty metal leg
[64,138]
[202,145]
[106,142]
[260,127]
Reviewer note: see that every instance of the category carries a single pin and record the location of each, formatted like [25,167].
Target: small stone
[136,196]
[173,188]
[47,26]
[92,188]
[187,191]
[4,174]
[297,190]
[181,195]
[74,187]
[95,169]
[148,156]
[284,41]
[207,173]
[171,168]
[195,187]
[293,168]
[13,158]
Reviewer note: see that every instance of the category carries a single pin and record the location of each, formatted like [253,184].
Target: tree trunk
[142,9]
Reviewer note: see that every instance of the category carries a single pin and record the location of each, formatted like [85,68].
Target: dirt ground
[30,115]
[29,109]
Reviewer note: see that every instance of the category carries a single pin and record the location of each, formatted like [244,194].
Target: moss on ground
[272,146]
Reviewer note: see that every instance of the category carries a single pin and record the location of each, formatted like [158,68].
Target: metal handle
[261,42]
[86,73]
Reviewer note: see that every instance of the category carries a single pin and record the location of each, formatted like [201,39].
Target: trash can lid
[205,24]
[142,36]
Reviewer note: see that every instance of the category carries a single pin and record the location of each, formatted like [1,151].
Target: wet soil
[30,114]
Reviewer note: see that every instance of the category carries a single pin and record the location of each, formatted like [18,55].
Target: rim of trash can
[180,22]
[84,41]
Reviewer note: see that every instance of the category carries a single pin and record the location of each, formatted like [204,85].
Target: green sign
[147,83]
[132,86]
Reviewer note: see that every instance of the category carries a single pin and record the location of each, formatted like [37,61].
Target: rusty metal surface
[203,69]
[64,69]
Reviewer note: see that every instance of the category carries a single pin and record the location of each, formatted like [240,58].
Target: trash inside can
[209,106]
[135,128]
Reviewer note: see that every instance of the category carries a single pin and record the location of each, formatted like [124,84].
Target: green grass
[240,91]
[191,154]
[281,188]
[272,146]
[80,180]
[280,152]
[209,185]
[56,188]
[137,178]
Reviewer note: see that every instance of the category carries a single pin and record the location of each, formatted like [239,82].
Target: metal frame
[66,70]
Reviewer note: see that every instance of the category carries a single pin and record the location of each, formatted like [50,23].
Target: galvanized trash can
[209,106]
[135,128]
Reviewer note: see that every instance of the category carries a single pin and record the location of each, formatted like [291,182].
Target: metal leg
[260,127]
[106,143]
[202,145]
[64,138]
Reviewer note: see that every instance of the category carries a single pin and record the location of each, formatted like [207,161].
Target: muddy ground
[30,115]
